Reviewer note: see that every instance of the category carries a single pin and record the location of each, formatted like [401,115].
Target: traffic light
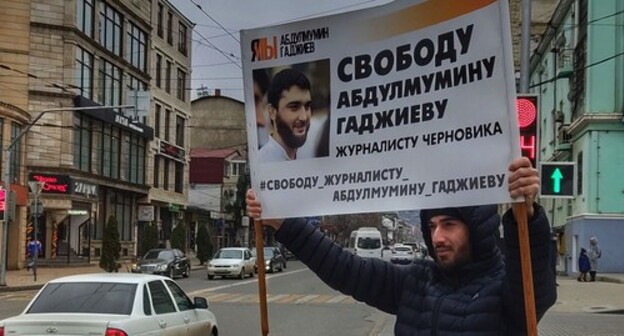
[558,179]
[528,116]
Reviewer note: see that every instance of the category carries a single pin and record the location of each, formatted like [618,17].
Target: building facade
[14,80]
[168,159]
[578,73]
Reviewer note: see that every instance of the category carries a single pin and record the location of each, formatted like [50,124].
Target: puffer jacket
[483,298]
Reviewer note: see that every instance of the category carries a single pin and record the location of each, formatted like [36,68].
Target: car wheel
[187,272]
[285,264]
[242,274]
[214,332]
[251,274]
[210,277]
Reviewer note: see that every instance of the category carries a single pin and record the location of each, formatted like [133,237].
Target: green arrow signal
[556,177]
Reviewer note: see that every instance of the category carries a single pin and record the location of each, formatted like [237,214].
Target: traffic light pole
[7,178]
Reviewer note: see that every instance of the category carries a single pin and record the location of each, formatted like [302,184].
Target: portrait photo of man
[297,123]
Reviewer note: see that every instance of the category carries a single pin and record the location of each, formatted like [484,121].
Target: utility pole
[8,178]
[35,187]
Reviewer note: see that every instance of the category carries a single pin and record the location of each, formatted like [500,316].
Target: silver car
[118,304]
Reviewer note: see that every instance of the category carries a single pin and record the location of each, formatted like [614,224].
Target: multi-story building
[578,73]
[85,53]
[168,160]
[219,145]
[14,79]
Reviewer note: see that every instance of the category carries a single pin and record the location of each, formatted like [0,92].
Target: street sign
[36,208]
[558,179]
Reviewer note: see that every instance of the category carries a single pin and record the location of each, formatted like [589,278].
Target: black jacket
[483,298]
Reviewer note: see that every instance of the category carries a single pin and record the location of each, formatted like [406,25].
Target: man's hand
[524,181]
[254,210]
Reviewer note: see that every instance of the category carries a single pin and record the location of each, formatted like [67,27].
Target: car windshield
[165,255]
[85,297]
[403,249]
[369,243]
[229,254]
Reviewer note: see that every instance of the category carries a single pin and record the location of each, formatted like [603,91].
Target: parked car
[273,259]
[402,254]
[119,304]
[233,262]
[168,262]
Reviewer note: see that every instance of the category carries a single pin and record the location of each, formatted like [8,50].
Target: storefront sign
[54,184]
[175,152]
[145,213]
[85,188]
[174,207]
[110,116]
[77,212]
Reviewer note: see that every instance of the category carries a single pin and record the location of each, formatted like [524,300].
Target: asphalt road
[300,304]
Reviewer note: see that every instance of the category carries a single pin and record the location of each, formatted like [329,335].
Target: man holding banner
[469,287]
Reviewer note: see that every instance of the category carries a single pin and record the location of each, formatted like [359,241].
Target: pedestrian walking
[34,249]
[468,288]
[594,254]
[583,265]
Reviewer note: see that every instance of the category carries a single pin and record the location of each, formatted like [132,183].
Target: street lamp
[7,177]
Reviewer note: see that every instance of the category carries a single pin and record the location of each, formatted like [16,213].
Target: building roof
[213,153]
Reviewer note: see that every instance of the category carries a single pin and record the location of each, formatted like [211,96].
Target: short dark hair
[261,78]
[284,80]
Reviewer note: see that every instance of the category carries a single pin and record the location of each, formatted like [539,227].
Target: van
[366,242]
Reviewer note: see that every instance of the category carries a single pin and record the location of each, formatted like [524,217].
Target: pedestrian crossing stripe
[298,299]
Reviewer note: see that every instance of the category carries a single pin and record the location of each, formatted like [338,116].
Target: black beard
[287,135]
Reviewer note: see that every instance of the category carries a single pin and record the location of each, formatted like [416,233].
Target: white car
[232,261]
[402,254]
[116,304]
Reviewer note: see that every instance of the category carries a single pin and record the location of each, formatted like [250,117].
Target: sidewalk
[24,280]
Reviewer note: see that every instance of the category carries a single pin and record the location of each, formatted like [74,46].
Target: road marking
[306,299]
[273,298]
[200,292]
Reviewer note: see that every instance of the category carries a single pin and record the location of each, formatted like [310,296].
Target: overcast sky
[216,47]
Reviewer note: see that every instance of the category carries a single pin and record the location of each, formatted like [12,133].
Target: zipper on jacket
[434,320]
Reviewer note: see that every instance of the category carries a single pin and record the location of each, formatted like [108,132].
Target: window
[183,301]
[179,177]
[579,173]
[136,47]
[107,141]
[134,84]
[182,40]
[85,297]
[167,125]
[110,84]
[161,12]
[82,142]
[84,16]
[170,28]
[181,93]
[157,121]
[84,73]
[156,171]
[168,77]
[16,156]
[147,305]
[158,70]
[235,168]
[160,297]
[179,131]
[137,160]
[115,153]
[166,174]
[111,23]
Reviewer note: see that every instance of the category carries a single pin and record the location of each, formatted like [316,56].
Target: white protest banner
[408,105]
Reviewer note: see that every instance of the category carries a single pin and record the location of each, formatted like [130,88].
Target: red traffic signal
[528,116]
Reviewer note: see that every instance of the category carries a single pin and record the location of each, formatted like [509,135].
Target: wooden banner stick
[520,212]
[264,317]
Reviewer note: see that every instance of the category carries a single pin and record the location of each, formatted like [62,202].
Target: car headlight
[267,262]
[162,268]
